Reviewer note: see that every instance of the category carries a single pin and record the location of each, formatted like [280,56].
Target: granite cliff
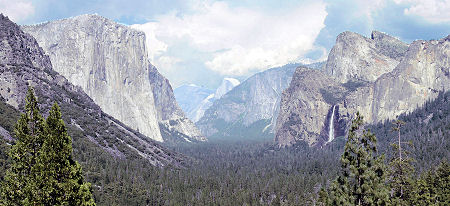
[174,125]
[248,110]
[23,63]
[109,62]
[313,98]
[357,57]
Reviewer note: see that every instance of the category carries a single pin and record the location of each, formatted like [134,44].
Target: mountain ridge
[250,106]
[109,62]
[422,72]
[23,64]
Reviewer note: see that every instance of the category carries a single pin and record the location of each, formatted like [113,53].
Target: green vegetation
[256,173]
[258,131]
[42,170]
[401,170]
[362,179]
[362,176]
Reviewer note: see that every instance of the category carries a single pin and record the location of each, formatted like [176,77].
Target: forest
[259,173]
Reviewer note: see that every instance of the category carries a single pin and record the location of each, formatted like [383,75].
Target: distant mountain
[190,96]
[109,62]
[226,85]
[23,63]
[247,110]
[376,76]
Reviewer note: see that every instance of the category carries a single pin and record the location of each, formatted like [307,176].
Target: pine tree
[433,187]
[64,178]
[43,171]
[363,178]
[20,183]
[401,171]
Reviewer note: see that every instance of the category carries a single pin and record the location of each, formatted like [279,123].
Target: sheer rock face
[109,62]
[303,110]
[23,64]
[423,71]
[169,113]
[355,57]
[255,99]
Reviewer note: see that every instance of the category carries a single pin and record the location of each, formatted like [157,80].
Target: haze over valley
[225,102]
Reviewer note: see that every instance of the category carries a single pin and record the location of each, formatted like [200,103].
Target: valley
[283,134]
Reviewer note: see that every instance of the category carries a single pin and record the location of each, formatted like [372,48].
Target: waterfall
[331,129]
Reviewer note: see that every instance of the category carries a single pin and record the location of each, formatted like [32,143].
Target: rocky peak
[226,85]
[171,118]
[313,100]
[424,71]
[389,46]
[249,110]
[19,47]
[109,62]
[355,57]
[20,68]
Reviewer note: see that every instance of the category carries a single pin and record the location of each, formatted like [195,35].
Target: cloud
[238,40]
[167,62]
[155,47]
[434,11]
[17,10]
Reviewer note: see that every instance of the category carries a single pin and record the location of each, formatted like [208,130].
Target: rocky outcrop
[355,57]
[109,62]
[5,134]
[23,64]
[307,105]
[304,107]
[248,110]
[170,115]
[424,72]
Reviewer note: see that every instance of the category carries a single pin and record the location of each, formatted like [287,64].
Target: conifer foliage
[362,179]
[401,170]
[42,170]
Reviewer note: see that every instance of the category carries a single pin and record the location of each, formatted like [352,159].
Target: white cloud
[240,40]
[154,47]
[166,62]
[434,11]
[17,10]
[368,8]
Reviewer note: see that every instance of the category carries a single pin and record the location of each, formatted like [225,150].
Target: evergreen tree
[20,183]
[401,171]
[433,187]
[43,171]
[363,178]
[64,180]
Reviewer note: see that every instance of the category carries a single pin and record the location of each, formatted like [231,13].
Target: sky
[203,41]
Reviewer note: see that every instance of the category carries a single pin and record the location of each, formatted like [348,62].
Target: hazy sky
[202,41]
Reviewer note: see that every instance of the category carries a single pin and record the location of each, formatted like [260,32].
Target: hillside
[109,62]
[103,145]
[314,98]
